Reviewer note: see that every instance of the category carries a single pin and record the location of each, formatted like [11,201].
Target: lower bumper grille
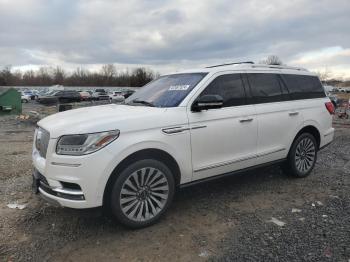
[58,192]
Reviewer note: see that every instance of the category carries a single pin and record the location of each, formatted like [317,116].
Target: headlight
[85,144]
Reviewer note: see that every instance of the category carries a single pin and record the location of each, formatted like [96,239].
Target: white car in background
[100,94]
[25,98]
[116,96]
[178,130]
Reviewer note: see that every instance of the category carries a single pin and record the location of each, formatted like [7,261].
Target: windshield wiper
[143,102]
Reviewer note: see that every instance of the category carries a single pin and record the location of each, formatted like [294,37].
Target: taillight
[330,107]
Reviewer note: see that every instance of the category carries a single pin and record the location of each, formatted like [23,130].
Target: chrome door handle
[246,120]
[293,113]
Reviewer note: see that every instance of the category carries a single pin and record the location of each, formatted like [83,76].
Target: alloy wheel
[305,155]
[144,194]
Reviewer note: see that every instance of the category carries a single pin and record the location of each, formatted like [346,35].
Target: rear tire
[302,156]
[142,193]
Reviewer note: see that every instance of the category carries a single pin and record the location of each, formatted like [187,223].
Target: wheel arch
[311,129]
[151,153]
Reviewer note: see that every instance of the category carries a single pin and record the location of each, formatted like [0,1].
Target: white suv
[178,130]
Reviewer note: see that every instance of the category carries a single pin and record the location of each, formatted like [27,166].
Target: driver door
[223,139]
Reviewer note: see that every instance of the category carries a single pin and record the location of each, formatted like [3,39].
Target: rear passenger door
[278,118]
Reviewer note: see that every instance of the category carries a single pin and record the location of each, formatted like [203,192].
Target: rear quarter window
[303,86]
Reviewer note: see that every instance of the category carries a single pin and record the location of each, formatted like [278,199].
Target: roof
[249,66]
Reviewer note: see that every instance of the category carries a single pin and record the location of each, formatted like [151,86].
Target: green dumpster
[10,102]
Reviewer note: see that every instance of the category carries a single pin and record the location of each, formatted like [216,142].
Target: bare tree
[324,75]
[141,76]
[58,75]
[44,76]
[272,60]
[7,76]
[108,72]
[29,78]
[107,76]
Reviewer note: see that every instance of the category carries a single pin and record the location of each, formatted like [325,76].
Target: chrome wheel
[305,155]
[144,194]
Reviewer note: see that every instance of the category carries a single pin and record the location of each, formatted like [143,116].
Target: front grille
[42,141]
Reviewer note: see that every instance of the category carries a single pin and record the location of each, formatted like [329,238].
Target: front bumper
[75,182]
[40,184]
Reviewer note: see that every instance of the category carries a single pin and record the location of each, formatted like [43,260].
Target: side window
[229,87]
[265,88]
[303,86]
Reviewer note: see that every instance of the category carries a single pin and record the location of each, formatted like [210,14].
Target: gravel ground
[232,219]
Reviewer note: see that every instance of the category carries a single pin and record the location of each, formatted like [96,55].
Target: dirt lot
[225,220]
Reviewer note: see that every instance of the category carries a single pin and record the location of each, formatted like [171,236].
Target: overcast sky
[172,35]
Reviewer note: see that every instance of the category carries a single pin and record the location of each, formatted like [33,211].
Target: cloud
[167,35]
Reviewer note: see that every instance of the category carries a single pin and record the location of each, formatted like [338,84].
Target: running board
[207,179]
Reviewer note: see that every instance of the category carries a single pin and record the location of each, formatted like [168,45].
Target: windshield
[166,91]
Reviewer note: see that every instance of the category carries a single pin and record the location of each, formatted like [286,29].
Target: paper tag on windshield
[179,88]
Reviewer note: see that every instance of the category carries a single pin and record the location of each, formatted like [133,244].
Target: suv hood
[101,118]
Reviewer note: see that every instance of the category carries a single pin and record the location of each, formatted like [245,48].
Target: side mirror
[207,102]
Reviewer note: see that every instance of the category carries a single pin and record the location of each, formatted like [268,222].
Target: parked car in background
[30,94]
[334,99]
[116,96]
[85,96]
[65,96]
[127,92]
[36,93]
[100,94]
[48,98]
[25,97]
[68,96]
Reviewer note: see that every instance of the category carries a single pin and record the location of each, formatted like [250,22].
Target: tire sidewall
[291,157]
[117,187]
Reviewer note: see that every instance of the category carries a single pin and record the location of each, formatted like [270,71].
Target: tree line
[108,75]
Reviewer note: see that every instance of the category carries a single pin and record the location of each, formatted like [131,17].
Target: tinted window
[265,88]
[303,87]
[229,87]
[166,91]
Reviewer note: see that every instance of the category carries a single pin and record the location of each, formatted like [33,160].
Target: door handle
[293,113]
[246,120]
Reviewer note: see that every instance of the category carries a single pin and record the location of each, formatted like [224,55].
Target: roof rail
[279,67]
[236,63]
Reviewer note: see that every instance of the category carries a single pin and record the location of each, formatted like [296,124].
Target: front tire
[142,193]
[302,156]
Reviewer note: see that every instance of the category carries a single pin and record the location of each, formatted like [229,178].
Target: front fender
[178,146]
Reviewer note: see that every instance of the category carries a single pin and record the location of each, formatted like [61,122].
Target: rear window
[303,87]
[265,88]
